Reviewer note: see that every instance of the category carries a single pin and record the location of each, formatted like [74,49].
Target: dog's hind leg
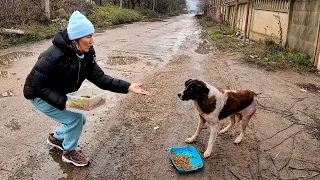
[201,123]
[244,125]
[246,116]
[232,121]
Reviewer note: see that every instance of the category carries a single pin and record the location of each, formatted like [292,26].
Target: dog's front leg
[201,123]
[214,128]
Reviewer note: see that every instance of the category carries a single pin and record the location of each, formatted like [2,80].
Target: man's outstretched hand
[136,88]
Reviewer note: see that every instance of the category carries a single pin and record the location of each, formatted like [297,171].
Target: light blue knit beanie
[79,26]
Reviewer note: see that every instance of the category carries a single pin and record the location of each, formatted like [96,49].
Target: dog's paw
[238,141]
[190,140]
[206,154]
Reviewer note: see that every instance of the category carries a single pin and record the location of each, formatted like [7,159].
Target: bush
[112,15]
[215,35]
[2,42]
[40,32]
[148,15]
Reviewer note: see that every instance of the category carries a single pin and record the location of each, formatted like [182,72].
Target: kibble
[182,161]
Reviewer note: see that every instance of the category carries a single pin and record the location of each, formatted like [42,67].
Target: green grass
[42,32]
[2,42]
[215,35]
[32,34]
[113,15]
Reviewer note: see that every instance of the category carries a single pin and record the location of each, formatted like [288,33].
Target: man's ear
[187,82]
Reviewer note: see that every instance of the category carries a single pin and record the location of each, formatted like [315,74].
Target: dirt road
[282,141]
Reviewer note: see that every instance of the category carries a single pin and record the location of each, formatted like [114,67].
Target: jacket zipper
[78,76]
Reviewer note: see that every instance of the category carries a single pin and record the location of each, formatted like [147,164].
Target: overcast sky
[192,4]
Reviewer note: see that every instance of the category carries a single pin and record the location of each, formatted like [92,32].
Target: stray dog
[214,105]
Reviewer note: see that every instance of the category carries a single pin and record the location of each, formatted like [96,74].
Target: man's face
[85,43]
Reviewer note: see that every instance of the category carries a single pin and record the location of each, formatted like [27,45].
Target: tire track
[225,74]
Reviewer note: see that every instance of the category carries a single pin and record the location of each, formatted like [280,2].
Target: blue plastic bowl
[194,157]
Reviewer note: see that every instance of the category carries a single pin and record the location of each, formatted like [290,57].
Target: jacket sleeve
[103,81]
[43,70]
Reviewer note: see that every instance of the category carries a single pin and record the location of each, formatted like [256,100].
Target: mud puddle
[205,48]
[8,58]
[309,87]
[53,168]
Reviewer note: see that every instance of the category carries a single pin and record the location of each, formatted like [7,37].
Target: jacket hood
[62,41]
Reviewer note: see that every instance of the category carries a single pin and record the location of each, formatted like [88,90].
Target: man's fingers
[145,92]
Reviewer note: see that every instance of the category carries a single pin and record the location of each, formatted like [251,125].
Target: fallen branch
[234,174]
[303,177]
[305,161]
[272,160]
[11,31]
[304,169]
[289,159]
[311,116]
[297,100]
[278,132]
[283,140]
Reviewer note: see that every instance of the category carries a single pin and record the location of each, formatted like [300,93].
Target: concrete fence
[293,22]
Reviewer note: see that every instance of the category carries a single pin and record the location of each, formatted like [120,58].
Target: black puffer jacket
[59,72]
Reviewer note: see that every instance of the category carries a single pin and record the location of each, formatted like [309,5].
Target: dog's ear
[205,90]
[187,82]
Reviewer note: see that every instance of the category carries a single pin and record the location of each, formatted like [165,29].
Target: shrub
[113,15]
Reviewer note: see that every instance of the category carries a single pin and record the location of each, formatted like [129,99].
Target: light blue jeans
[71,123]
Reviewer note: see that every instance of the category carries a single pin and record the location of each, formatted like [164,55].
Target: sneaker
[52,141]
[75,157]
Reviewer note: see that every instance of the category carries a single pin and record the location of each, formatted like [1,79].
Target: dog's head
[194,89]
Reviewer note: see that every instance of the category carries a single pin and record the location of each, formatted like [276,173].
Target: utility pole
[153,5]
[47,8]
[121,3]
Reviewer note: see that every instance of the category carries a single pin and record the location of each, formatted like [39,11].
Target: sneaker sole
[56,146]
[74,163]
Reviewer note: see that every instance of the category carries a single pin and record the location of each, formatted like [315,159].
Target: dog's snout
[179,95]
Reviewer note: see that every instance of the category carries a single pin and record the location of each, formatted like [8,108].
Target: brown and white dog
[214,105]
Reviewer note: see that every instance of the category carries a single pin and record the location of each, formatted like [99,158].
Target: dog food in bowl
[185,159]
[86,99]
[183,162]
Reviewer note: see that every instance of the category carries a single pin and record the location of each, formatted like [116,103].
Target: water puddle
[8,58]
[309,87]
[13,125]
[121,60]
[204,48]
[55,168]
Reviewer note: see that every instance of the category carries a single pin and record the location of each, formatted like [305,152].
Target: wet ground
[282,141]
